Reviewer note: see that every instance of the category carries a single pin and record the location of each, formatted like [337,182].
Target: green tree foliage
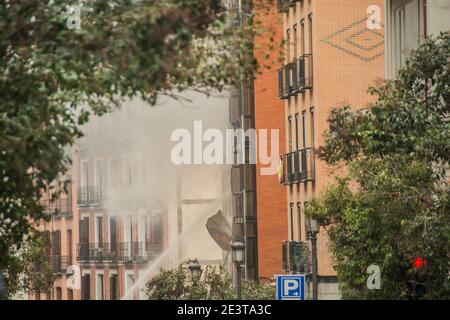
[214,284]
[394,205]
[52,78]
[28,269]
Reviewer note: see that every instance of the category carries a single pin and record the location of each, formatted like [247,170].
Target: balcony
[295,257]
[61,207]
[286,79]
[298,166]
[305,73]
[295,77]
[284,5]
[90,196]
[59,264]
[118,252]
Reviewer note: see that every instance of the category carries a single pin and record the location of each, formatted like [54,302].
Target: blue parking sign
[291,287]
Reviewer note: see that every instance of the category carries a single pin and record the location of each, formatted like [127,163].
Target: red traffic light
[420,263]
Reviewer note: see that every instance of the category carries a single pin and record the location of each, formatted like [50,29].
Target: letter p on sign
[290,285]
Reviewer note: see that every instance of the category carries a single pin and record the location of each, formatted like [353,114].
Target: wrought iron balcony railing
[60,207]
[304,66]
[295,257]
[118,252]
[284,5]
[295,77]
[298,166]
[90,195]
[59,263]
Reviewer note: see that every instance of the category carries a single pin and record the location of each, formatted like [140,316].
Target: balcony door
[84,181]
[56,251]
[156,232]
[99,287]
[84,238]
[128,236]
[99,231]
[113,287]
[86,287]
[142,245]
[113,235]
[129,282]
[98,181]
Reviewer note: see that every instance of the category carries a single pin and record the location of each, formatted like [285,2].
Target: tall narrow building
[271,197]
[334,52]
[259,200]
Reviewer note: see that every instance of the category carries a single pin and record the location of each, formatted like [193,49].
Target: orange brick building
[333,55]
[271,196]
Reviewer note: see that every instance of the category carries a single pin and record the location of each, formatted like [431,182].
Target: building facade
[258,199]
[120,228]
[243,173]
[129,210]
[271,197]
[408,23]
[104,229]
[60,238]
[334,51]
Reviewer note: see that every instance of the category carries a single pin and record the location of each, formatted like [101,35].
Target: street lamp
[195,269]
[312,228]
[238,249]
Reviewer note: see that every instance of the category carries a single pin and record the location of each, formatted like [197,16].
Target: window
[290,133]
[310,33]
[296,131]
[129,281]
[99,230]
[304,128]
[83,248]
[69,294]
[113,233]
[437,13]
[113,287]
[404,33]
[305,205]
[128,234]
[237,177]
[299,220]
[99,287]
[288,45]
[56,243]
[291,220]
[86,287]
[84,230]
[142,235]
[69,245]
[302,36]
[98,174]
[112,172]
[156,226]
[58,293]
[311,125]
[84,181]
[295,41]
